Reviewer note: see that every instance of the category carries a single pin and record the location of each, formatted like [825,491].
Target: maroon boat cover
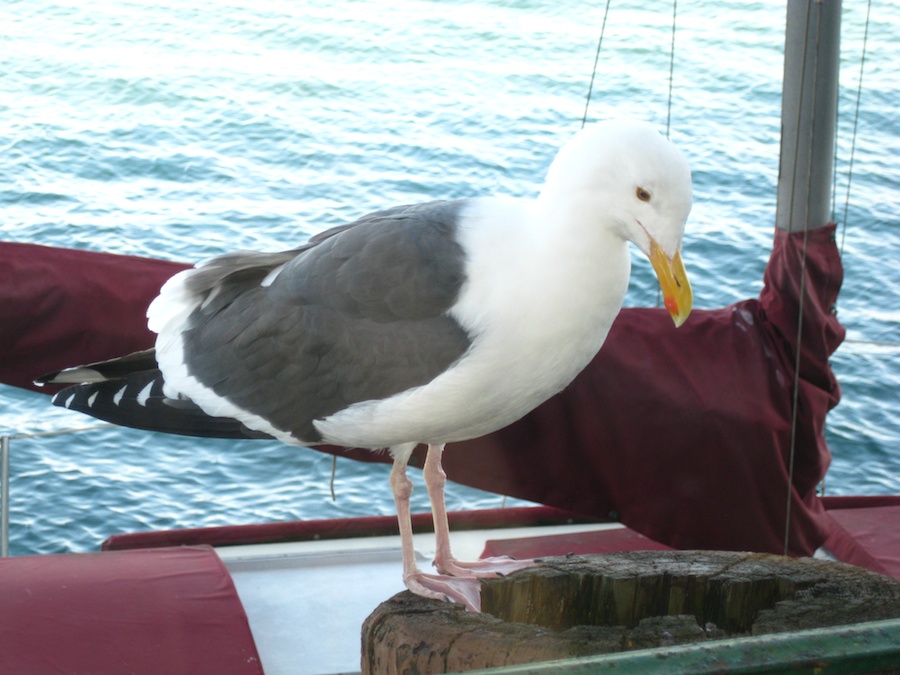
[682,434]
[147,612]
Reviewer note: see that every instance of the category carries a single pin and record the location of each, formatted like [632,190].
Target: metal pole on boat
[808,114]
[4,496]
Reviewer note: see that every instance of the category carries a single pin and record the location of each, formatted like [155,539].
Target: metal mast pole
[808,114]
[4,496]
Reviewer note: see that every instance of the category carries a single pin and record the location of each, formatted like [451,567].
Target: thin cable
[862,63]
[790,223]
[669,102]
[4,496]
[59,432]
[587,103]
[671,68]
[834,158]
[333,476]
[796,396]
[877,343]
[799,340]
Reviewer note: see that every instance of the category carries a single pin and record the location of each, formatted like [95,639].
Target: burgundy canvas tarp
[682,434]
[685,434]
[62,307]
[147,612]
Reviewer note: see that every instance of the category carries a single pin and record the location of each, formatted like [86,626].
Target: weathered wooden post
[585,605]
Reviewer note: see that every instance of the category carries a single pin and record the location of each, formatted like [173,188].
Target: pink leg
[464,590]
[435,480]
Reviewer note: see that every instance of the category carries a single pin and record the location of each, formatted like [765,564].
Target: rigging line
[878,343]
[671,68]
[796,396]
[862,63]
[834,157]
[799,341]
[587,103]
[4,496]
[59,432]
[333,475]
[790,222]
[669,102]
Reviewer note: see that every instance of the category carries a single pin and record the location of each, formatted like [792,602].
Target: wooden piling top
[583,605]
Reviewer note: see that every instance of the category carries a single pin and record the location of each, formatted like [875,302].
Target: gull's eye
[642,194]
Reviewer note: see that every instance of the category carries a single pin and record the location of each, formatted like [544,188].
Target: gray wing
[359,313]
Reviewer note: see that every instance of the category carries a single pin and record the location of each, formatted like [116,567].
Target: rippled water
[185,128]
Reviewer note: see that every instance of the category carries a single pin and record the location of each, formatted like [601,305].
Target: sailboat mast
[808,114]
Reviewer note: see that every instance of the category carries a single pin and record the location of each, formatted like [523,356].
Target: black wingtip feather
[137,362]
[138,401]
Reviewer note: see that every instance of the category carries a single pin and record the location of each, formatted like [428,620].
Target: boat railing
[5,443]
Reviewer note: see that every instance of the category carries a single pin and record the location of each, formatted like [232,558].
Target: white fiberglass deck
[306,601]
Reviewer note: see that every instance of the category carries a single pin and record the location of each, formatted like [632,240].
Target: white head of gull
[428,323]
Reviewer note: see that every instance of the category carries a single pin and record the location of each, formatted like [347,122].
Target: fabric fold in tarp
[682,434]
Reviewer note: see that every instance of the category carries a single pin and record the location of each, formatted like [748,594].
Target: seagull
[420,324]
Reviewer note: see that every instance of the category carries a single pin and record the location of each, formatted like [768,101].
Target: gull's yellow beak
[673,281]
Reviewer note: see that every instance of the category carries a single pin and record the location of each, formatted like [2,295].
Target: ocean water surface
[182,129]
